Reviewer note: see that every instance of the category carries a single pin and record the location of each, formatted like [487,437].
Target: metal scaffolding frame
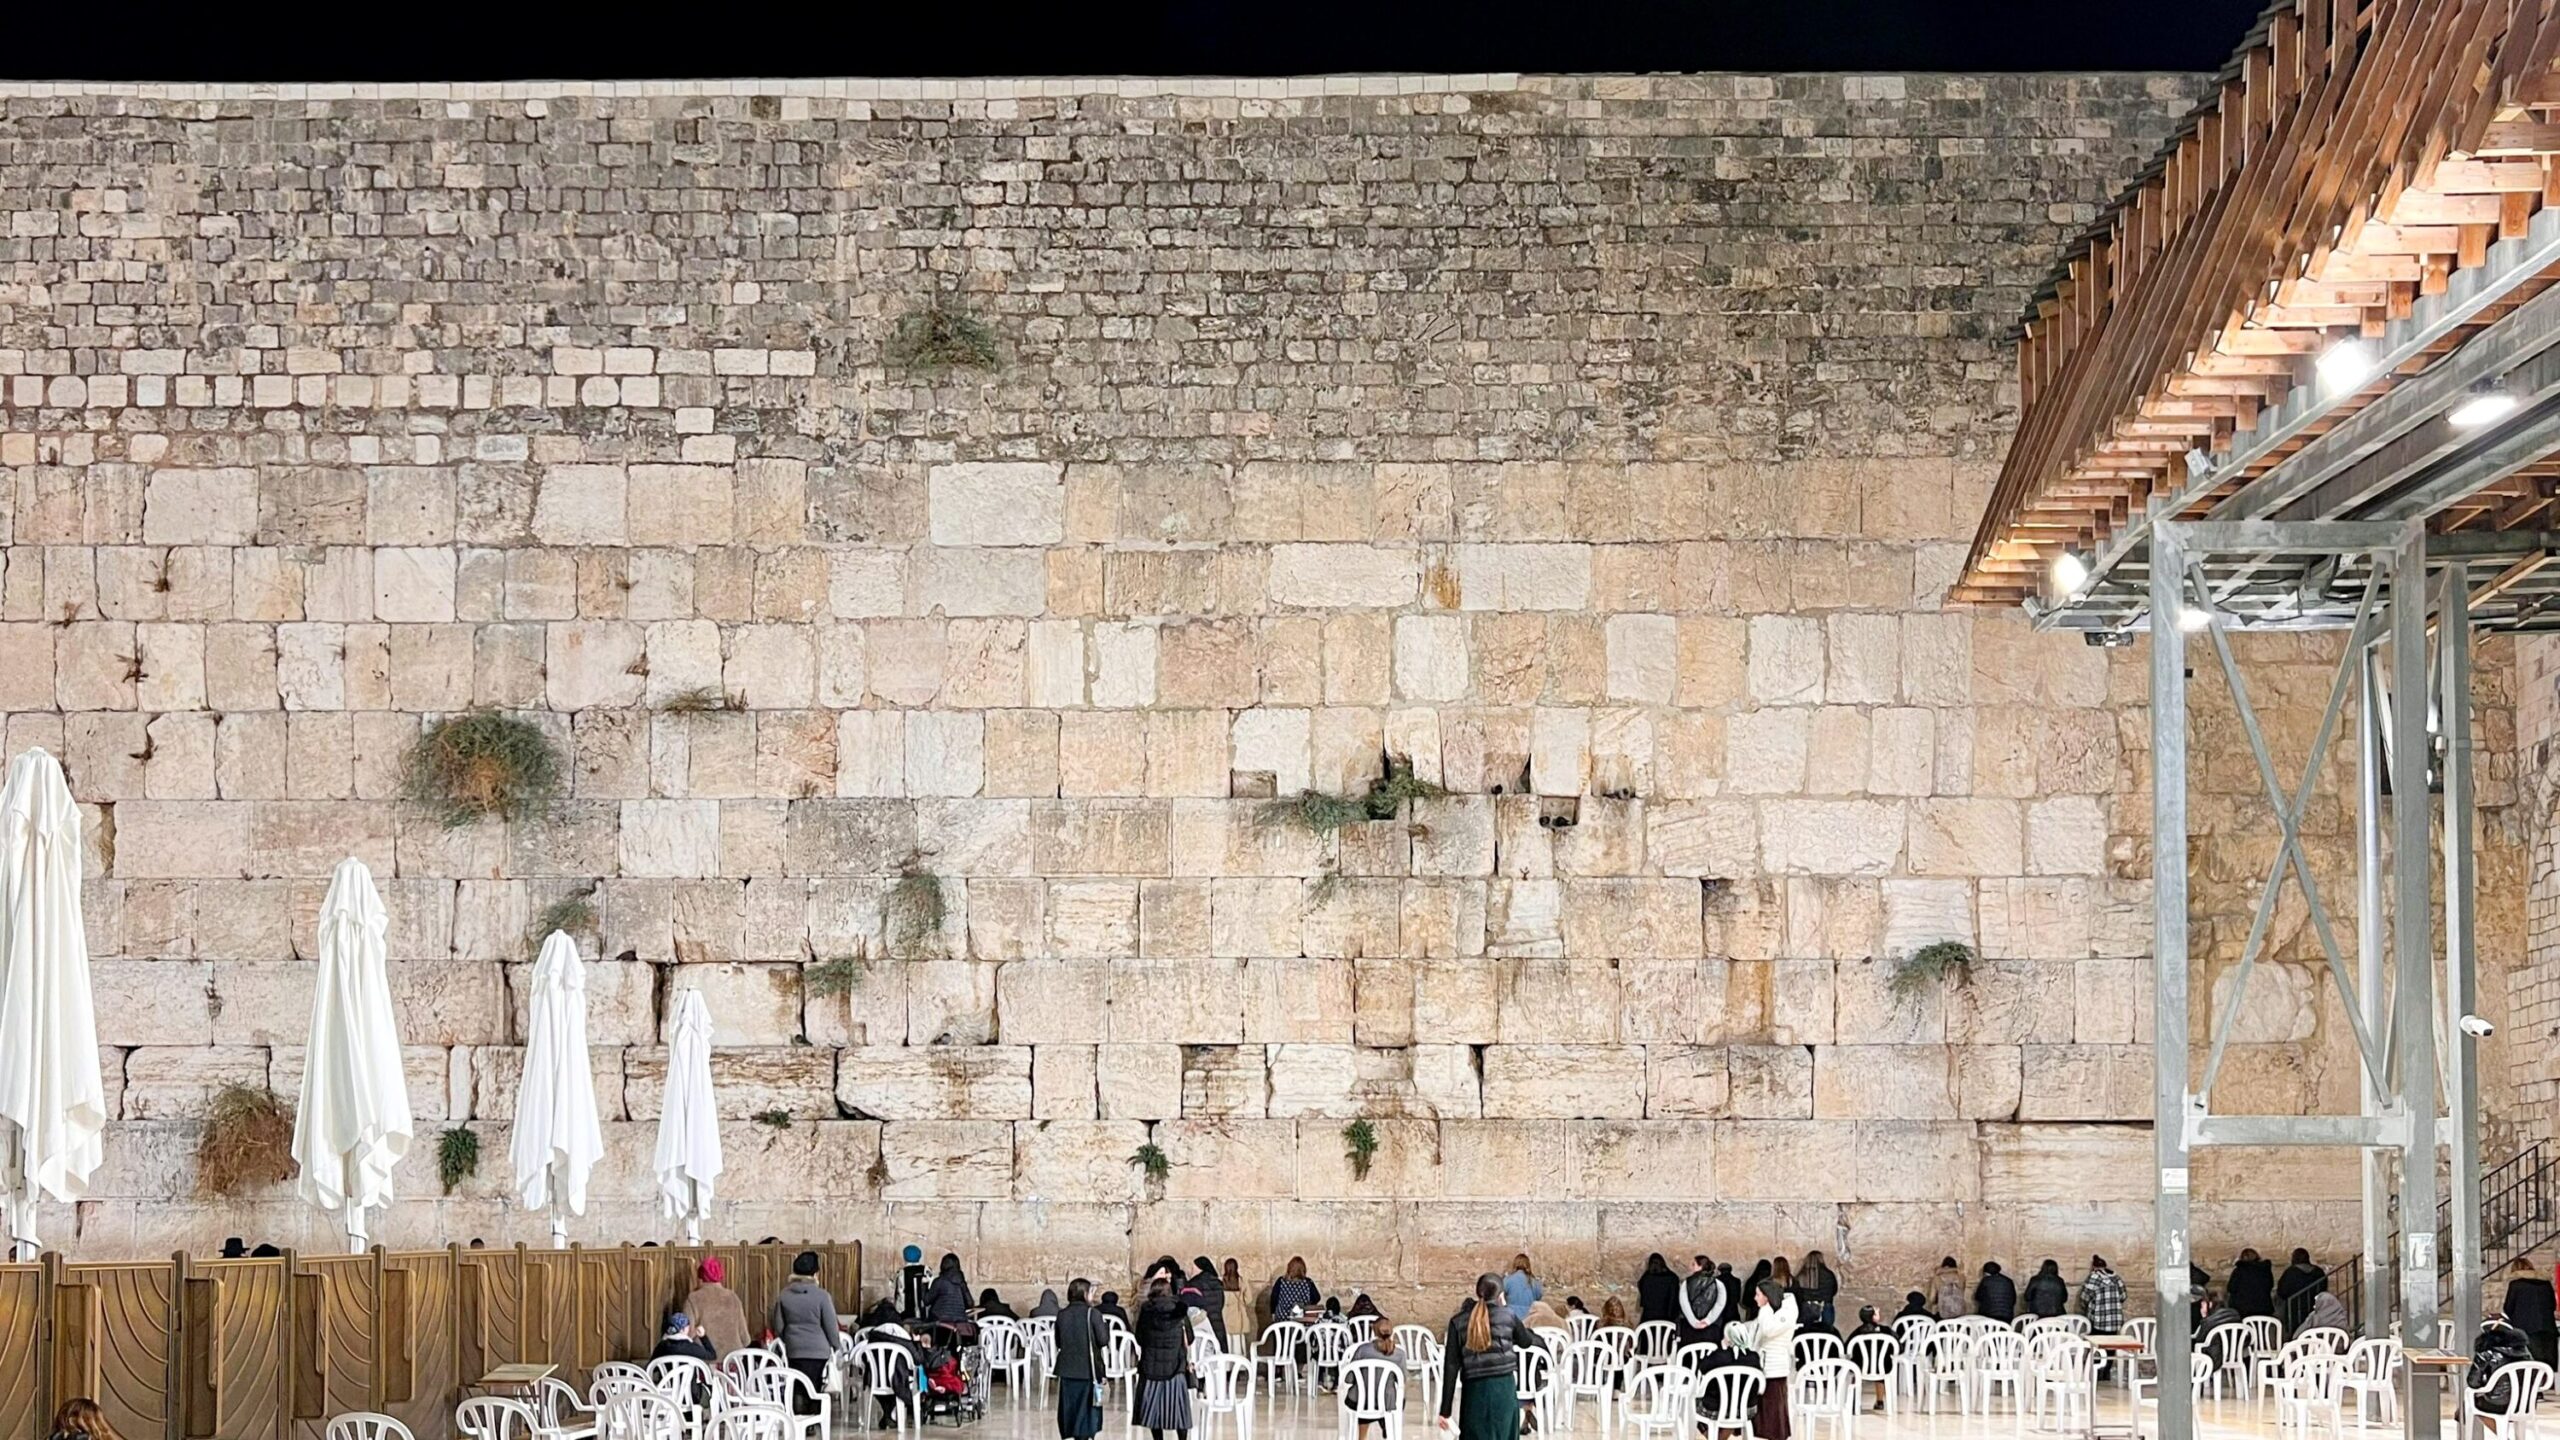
[2412,719]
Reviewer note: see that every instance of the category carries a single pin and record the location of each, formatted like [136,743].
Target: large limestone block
[1525,917]
[1255,916]
[849,836]
[1101,837]
[1406,1161]
[2085,1082]
[1922,912]
[182,838]
[670,837]
[1186,1002]
[1576,1002]
[1026,1248]
[1458,1001]
[1332,577]
[1563,1081]
[1686,1082]
[1831,837]
[1081,1161]
[902,1083]
[1229,1159]
[1139,1081]
[1869,1011]
[173,1082]
[594,663]
[2278,1002]
[947,1159]
[1040,1002]
[750,1004]
[952,1002]
[1063,1083]
[2050,1163]
[824,1162]
[1523,577]
[1706,838]
[1680,1002]
[1846,1160]
[1655,919]
[1225,1080]
[1642,1159]
[152,1002]
[1885,1082]
[2010,1002]
[1966,836]
[798,1080]
[1771,1082]
[1297,1000]
[998,503]
[263,1002]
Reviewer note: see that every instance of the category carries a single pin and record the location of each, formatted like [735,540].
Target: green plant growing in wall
[574,912]
[774,1119]
[482,763]
[1360,1146]
[1153,1163]
[457,1156]
[701,700]
[915,908]
[832,978]
[1318,813]
[1932,964]
[942,336]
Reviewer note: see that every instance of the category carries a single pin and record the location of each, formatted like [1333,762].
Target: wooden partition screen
[269,1349]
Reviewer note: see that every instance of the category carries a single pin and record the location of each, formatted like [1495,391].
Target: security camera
[2477,1028]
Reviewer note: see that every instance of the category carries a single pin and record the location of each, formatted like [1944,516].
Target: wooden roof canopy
[2355,157]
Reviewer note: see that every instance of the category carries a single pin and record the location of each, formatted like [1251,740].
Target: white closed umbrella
[557,1140]
[353,1123]
[53,1106]
[688,1158]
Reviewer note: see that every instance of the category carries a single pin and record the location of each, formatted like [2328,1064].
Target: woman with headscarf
[947,1301]
[716,1309]
[1164,1364]
[1110,1305]
[1047,1306]
[2301,1280]
[1361,1305]
[1914,1304]
[991,1306]
[1079,1365]
[1658,1291]
[2252,1290]
[1293,1292]
[1751,1289]
[1213,1296]
[2048,1294]
[1772,1333]
[1816,1288]
[1484,1338]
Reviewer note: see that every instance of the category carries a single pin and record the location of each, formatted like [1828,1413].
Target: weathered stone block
[963,1082]
[1563,1081]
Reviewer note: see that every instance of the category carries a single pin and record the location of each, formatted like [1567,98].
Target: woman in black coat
[1079,1367]
[947,1302]
[2252,1290]
[1657,1291]
[1164,1363]
[2301,1281]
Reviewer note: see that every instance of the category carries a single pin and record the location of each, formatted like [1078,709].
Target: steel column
[2169,1251]
[2371,992]
[2413,963]
[2461,949]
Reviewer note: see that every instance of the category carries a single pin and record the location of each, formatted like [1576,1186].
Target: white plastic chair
[1040,1351]
[1421,1351]
[640,1413]
[1658,1403]
[614,1374]
[2373,1377]
[1582,1325]
[1370,1392]
[1876,1355]
[2526,1382]
[2328,1337]
[1327,1346]
[1120,1367]
[1621,1340]
[754,1420]
[2000,1363]
[2143,1330]
[565,1414]
[367,1425]
[1726,1399]
[742,1366]
[790,1389]
[888,1374]
[1534,1376]
[1590,1370]
[1950,1367]
[2066,1386]
[494,1417]
[2230,1348]
[2307,1389]
[1825,1391]
[1007,1354]
[1276,1354]
[1362,1327]
[1656,1342]
[1811,1345]
[2267,1372]
[1226,1388]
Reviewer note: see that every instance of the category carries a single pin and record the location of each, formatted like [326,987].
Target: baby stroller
[956,1386]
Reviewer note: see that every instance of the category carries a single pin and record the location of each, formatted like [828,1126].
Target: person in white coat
[1771,1332]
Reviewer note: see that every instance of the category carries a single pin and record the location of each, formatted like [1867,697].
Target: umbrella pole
[356,1241]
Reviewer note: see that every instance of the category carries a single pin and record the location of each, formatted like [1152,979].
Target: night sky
[1167,37]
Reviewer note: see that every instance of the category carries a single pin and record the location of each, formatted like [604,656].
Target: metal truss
[2390,996]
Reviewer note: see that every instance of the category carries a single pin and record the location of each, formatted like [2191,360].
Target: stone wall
[1604,446]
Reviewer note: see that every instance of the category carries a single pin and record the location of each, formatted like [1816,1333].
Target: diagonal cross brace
[2289,813]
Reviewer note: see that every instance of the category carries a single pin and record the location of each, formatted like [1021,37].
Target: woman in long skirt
[1481,1379]
[1079,1369]
[1771,1332]
[1164,1363]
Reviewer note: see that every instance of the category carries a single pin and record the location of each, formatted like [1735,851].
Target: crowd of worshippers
[2300,1299]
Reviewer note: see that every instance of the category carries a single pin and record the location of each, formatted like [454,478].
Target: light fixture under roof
[2482,405]
[2070,571]
[2346,365]
[2193,618]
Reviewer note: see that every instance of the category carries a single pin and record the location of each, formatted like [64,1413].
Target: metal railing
[2519,1213]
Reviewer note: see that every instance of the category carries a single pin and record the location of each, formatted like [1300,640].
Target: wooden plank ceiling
[2354,158]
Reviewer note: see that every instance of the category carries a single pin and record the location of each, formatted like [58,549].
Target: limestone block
[1343,576]
[1457,1001]
[1004,918]
[2010,1002]
[1706,838]
[1228,1080]
[999,503]
[594,663]
[497,1075]
[200,507]
[1642,1160]
[1524,917]
[1250,916]
[873,1012]
[1858,1160]
[1919,913]
[1288,999]
[849,836]
[1445,1082]
[2015,665]
[1406,1161]
[1109,837]
[2085,1082]
[1564,1001]
[2066,835]
[1092,918]
[1277,743]
[414,584]
[1885,1082]
[1063,1082]
[1686,1082]
[181,838]
[1187,1002]
[1786,659]
[1174,917]
[1523,1081]
[1229,1159]
[1834,917]
[903,1083]
[1077,1160]
[1644,658]
[26,667]
[1832,837]
[1673,1001]
[670,837]
[1647,918]
[684,506]
[1124,662]
[173,1082]
[951,1002]
[94,663]
[1442,919]
[1381,999]
[1865,664]
[946,753]
[1868,1011]
[239,668]
[772,667]
[947,1159]
[2278,1002]
[581,505]
[1139,1081]
[2046,1163]
[977,582]
[2042,918]
[447,1002]
[1966,836]
[1771,1082]
[1495,1158]
[798,1080]
[1559,751]
[1988,1081]
[1523,577]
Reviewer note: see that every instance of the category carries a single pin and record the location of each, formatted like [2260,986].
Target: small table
[514,1379]
[2442,1365]
[2124,1348]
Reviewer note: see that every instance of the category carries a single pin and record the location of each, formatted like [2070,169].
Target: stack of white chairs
[1276,1356]
[1370,1392]
[1947,1364]
[1040,1348]
[1913,1336]
[1660,1403]
[1826,1392]
[1007,1352]
[1226,1388]
[2373,1378]
[2518,1384]
[2066,1384]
